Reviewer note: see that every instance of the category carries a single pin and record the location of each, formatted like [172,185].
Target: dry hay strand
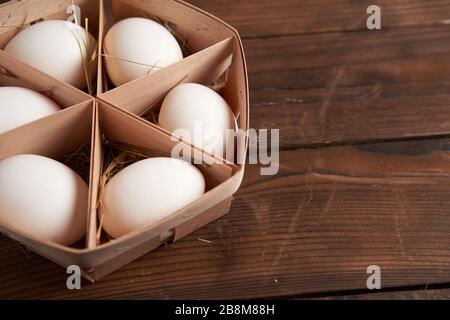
[87,62]
[172,28]
[220,83]
[79,161]
[83,44]
[151,113]
[185,48]
[116,157]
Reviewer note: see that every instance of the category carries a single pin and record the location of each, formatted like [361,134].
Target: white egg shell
[200,111]
[138,46]
[43,198]
[56,47]
[148,191]
[19,106]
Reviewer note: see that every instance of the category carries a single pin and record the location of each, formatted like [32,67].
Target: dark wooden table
[365,167]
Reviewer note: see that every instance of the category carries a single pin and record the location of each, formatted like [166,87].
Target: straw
[185,48]
[182,41]
[220,83]
[116,157]
[205,241]
[183,44]
[79,161]
[153,66]
[151,115]
[81,42]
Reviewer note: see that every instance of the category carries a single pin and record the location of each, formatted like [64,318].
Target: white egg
[57,48]
[198,114]
[137,46]
[19,106]
[43,198]
[148,191]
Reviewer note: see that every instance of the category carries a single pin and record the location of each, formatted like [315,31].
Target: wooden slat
[351,86]
[319,76]
[315,227]
[269,18]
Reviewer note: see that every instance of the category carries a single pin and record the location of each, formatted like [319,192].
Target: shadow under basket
[91,127]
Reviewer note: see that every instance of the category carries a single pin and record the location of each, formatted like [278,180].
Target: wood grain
[268,18]
[273,18]
[351,87]
[318,75]
[315,227]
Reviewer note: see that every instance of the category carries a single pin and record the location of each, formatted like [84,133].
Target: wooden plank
[313,228]
[256,18]
[351,87]
[330,212]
